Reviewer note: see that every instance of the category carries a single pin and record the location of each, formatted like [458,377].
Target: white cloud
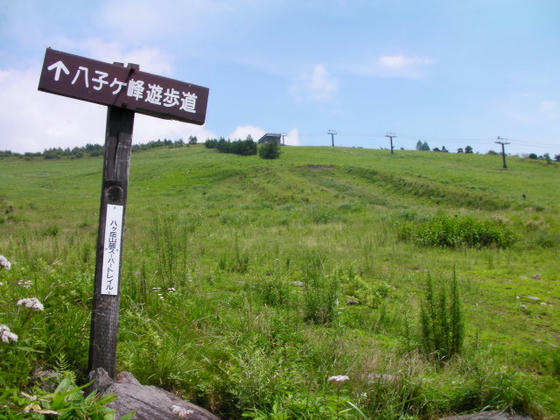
[394,66]
[242,131]
[318,85]
[34,121]
[292,138]
[402,62]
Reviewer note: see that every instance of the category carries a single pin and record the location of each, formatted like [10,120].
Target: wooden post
[108,269]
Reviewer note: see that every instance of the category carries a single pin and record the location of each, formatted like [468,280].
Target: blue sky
[447,72]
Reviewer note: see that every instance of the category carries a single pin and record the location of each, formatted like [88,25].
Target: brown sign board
[114,85]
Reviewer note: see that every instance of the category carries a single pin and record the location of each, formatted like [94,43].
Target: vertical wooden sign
[110,240]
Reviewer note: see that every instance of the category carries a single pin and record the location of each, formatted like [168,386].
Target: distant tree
[533,156]
[211,143]
[243,147]
[492,152]
[460,150]
[436,149]
[193,140]
[557,158]
[269,150]
[223,145]
[444,150]
[468,149]
[419,145]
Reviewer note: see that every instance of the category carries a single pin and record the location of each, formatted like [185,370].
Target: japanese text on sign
[112,250]
[110,84]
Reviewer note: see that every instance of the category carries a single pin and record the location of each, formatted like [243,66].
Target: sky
[451,73]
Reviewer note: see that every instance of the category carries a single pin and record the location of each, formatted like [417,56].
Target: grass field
[247,283]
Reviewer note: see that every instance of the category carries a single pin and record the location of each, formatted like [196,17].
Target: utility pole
[332,133]
[500,140]
[283,138]
[391,135]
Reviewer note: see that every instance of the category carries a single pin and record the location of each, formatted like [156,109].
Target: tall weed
[441,320]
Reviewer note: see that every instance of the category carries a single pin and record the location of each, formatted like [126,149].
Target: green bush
[455,232]
[441,320]
[269,150]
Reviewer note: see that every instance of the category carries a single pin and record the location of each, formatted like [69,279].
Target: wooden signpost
[125,91]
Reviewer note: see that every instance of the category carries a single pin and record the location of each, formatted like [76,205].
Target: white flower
[26,284]
[4,263]
[339,379]
[171,290]
[6,335]
[181,412]
[31,303]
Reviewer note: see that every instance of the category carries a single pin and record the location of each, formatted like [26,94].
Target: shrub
[453,232]
[441,320]
[269,150]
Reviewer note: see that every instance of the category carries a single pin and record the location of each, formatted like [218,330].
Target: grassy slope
[230,223]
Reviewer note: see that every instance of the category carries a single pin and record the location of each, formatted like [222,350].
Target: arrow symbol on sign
[58,67]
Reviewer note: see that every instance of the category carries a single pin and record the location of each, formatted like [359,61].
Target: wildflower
[181,412]
[26,284]
[171,290]
[31,303]
[4,263]
[339,379]
[6,335]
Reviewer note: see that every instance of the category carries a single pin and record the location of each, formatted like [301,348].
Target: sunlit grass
[239,272]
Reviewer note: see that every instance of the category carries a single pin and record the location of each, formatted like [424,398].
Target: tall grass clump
[320,300]
[441,320]
[320,297]
[170,241]
[455,232]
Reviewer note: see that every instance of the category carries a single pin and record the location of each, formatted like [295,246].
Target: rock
[352,302]
[536,276]
[46,379]
[490,415]
[298,283]
[536,299]
[149,402]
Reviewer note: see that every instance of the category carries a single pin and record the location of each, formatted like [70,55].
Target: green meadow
[248,283]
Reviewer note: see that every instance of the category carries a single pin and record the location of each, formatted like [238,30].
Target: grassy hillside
[248,283]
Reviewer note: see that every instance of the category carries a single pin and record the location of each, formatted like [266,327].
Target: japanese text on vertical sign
[112,250]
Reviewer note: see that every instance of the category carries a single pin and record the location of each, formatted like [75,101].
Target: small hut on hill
[270,137]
